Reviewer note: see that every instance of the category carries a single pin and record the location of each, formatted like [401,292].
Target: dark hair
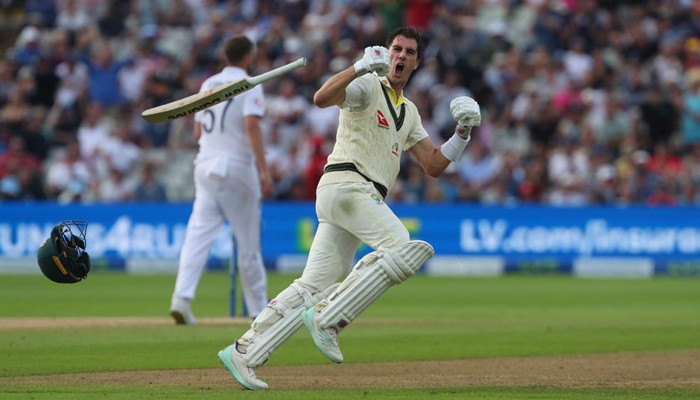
[408,32]
[236,48]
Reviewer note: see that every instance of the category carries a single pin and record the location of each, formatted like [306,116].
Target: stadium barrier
[468,239]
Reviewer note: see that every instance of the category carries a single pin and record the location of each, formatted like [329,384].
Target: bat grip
[266,76]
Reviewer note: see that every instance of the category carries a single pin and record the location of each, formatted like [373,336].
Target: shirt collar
[397,101]
[233,68]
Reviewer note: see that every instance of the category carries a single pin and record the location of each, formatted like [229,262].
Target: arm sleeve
[417,132]
[358,94]
[254,102]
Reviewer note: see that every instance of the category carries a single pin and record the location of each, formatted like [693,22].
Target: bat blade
[196,102]
[201,101]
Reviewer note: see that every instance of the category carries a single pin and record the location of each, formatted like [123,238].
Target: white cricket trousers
[348,213]
[234,197]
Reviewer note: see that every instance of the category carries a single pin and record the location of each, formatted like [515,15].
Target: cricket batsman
[377,123]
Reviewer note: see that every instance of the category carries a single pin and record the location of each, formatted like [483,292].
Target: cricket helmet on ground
[62,257]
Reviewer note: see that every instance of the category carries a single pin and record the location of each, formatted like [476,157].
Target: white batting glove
[376,59]
[465,111]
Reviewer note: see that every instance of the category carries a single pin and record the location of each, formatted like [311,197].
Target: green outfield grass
[426,318]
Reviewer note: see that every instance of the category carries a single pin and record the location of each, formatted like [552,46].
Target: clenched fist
[465,111]
[376,59]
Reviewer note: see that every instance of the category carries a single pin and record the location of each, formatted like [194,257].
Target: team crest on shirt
[395,149]
[382,122]
[376,198]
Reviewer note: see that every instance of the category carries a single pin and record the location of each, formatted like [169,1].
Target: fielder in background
[230,175]
[376,124]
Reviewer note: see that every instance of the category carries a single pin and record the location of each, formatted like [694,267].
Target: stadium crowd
[583,101]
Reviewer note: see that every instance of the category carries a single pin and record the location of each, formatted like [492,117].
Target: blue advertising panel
[522,234]
[561,232]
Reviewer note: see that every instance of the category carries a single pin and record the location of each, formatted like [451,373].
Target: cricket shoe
[180,310]
[326,339]
[235,364]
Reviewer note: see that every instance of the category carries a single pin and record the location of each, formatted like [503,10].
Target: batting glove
[465,111]
[376,59]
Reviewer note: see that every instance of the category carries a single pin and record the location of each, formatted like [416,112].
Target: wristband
[454,147]
[360,68]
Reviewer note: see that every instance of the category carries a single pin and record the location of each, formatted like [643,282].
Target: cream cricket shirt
[374,129]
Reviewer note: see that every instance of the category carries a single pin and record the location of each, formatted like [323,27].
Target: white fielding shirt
[223,131]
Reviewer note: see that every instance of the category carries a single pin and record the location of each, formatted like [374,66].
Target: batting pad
[370,278]
[278,321]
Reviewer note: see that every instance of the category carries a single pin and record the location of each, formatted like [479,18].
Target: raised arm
[332,92]
[429,157]
[434,160]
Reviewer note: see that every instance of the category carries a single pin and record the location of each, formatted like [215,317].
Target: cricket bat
[201,101]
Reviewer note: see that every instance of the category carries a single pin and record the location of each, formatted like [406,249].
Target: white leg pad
[373,275]
[277,322]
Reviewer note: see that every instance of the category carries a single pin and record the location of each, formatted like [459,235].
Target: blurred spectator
[286,110]
[290,171]
[24,184]
[43,9]
[659,116]
[568,169]
[449,184]
[321,121]
[118,150]
[73,81]
[131,80]
[667,67]
[577,62]
[16,109]
[441,95]
[46,83]
[93,132]
[116,187]
[7,81]
[419,13]
[68,178]
[113,22]
[542,124]
[433,191]
[691,110]
[148,188]
[414,185]
[104,85]
[663,163]
[27,46]
[314,169]
[663,195]
[34,132]
[616,124]
[478,168]
[73,18]
[511,136]
[16,157]
[532,188]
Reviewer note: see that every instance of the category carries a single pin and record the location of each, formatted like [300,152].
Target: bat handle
[264,77]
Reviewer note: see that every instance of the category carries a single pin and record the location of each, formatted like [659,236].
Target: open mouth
[399,68]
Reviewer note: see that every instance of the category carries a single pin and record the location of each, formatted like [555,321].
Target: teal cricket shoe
[236,366]
[326,339]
